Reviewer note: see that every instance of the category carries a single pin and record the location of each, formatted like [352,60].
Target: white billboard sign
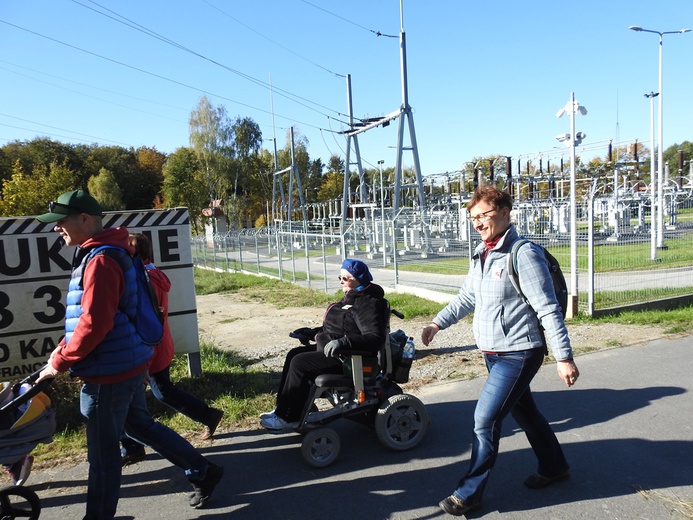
[35,269]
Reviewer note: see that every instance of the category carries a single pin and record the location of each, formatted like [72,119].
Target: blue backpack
[149,319]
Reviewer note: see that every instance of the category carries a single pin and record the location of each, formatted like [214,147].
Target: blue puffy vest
[122,349]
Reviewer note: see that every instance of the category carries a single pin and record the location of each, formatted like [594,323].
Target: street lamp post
[653,225]
[660,151]
[573,140]
[382,213]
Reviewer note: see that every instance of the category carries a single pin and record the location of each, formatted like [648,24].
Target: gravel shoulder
[260,333]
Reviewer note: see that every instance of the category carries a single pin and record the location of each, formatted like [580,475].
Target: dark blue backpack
[149,319]
[559,284]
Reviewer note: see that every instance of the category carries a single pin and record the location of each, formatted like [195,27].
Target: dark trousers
[175,397]
[300,370]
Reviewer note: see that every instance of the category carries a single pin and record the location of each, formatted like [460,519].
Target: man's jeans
[507,391]
[105,408]
[109,410]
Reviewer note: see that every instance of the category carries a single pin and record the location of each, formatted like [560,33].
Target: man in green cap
[101,347]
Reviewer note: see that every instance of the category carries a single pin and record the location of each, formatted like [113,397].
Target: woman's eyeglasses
[344,278]
[482,217]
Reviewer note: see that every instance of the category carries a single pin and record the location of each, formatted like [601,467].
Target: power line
[56,128]
[69,80]
[272,41]
[377,33]
[158,76]
[134,25]
[138,110]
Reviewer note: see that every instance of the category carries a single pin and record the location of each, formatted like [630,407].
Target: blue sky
[484,77]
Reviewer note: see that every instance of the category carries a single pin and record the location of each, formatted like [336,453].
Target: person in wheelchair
[359,322]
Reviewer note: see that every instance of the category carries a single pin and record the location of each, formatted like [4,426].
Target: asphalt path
[626,428]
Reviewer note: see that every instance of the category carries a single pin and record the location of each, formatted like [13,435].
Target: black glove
[333,348]
[305,334]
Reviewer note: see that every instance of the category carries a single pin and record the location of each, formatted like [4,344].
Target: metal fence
[619,264]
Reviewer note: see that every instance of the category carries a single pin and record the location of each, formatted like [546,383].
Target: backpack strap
[118,254]
[514,275]
[513,271]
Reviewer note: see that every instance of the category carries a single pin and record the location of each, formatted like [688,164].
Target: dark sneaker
[132,456]
[20,471]
[211,427]
[457,507]
[205,487]
[538,481]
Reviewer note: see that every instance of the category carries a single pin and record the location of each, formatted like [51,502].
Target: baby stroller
[367,392]
[26,419]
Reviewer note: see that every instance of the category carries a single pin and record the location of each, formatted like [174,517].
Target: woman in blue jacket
[508,330]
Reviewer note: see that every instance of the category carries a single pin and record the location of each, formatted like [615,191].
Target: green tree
[103,187]
[335,164]
[302,160]
[332,186]
[247,142]
[671,156]
[24,194]
[314,180]
[184,184]
[150,163]
[122,162]
[38,152]
[211,138]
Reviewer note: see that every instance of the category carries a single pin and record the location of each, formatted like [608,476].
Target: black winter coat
[360,321]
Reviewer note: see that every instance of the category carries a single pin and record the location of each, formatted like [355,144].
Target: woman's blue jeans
[507,391]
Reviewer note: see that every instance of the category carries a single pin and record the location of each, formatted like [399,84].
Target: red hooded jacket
[163,352]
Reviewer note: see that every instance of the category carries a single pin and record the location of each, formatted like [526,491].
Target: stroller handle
[31,392]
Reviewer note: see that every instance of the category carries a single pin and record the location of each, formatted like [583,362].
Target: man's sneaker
[211,427]
[20,471]
[277,423]
[132,456]
[205,487]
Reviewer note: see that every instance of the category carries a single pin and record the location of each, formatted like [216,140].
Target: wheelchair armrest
[362,353]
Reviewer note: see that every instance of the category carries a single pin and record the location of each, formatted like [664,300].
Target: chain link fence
[619,264]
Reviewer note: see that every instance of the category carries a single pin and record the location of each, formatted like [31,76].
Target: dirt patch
[260,332]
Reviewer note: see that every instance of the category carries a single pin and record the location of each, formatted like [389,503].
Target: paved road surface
[628,425]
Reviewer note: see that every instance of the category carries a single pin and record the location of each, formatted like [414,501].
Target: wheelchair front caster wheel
[320,447]
[19,502]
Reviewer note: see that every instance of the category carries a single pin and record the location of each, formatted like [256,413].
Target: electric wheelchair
[366,392]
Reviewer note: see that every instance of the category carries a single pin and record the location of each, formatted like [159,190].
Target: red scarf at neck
[490,244]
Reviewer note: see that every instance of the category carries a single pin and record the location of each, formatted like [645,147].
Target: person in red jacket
[102,347]
[159,370]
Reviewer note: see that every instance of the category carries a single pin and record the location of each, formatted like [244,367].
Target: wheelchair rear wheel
[401,422]
[320,447]
[19,502]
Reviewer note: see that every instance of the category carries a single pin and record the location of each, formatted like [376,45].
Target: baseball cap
[71,203]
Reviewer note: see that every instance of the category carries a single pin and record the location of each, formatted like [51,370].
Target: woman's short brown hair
[491,196]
